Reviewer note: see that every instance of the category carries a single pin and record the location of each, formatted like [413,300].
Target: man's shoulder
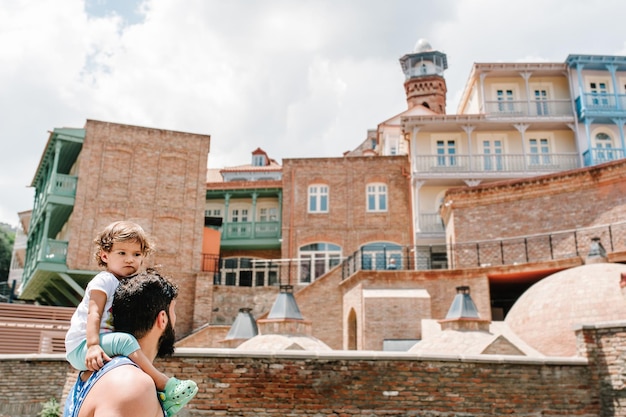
[135,394]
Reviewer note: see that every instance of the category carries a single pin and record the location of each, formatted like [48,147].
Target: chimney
[285,317]
[243,328]
[463,314]
[596,254]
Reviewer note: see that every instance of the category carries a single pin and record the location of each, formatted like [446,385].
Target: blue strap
[81,388]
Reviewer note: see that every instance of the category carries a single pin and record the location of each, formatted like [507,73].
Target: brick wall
[356,384]
[347,222]
[604,345]
[569,200]
[154,177]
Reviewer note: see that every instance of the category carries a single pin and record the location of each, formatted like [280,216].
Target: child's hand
[95,358]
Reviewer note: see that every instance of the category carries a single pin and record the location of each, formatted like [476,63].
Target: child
[91,341]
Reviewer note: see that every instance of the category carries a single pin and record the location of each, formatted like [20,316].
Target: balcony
[60,191]
[495,163]
[251,235]
[601,105]
[431,223]
[528,108]
[595,156]
[48,251]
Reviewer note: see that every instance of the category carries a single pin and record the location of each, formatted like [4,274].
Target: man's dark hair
[138,301]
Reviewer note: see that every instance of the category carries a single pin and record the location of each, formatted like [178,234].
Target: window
[376,197]
[239,223]
[268,214]
[258,160]
[381,255]
[604,147]
[492,154]
[247,272]
[267,222]
[539,150]
[318,198]
[599,93]
[446,153]
[541,102]
[505,100]
[316,259]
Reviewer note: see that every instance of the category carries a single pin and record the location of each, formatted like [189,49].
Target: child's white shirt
[105,282]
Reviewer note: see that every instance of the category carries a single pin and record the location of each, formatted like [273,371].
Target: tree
[7,237]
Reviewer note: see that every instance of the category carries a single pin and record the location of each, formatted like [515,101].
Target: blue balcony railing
[595,156]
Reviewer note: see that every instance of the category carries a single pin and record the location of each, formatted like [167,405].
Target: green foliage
[7,238]
[51,408]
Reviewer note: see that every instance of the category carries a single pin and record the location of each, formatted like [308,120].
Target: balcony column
[254,197]
[620,125]
[526,77]
[415,188]
[227,218]
[414,173]
[468,130]
[612,68]
[482,92]
[280,215]
[581,86]
[590,142]
[521,127]
[52,177]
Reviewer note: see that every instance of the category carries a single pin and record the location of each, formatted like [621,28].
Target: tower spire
[424,83]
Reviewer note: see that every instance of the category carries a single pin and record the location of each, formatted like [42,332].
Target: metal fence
[512,251]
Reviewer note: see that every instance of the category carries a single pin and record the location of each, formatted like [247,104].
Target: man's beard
[166,342]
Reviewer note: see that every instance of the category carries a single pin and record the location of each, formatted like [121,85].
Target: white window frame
[315,263]
[376,197]
[604,150]
[493,155]
[540,148]
[506,103]
[318,199]
[541,103]
[599,96]
[446,149]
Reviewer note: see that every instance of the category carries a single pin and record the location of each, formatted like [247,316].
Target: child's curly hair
[121,231]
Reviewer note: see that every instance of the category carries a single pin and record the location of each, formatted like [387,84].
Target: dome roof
[545,315]
[422,45]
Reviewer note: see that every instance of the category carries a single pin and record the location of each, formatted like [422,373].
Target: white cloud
[297,79]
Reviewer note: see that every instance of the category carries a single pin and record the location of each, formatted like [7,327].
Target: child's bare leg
[159,378]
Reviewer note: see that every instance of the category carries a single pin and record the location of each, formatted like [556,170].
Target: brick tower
[424,83]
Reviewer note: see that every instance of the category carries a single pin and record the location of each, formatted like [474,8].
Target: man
[144,306]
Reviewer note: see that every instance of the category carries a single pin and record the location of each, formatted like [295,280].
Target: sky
[297,78]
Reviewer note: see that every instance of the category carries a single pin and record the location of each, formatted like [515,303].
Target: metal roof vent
[597,253]
[244,326]
[462,305]
[285,306]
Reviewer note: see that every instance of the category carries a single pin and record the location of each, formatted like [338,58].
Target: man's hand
[95,358]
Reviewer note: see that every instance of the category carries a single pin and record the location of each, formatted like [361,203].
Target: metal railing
[511,251]
[463,163]
[595,156]
[528,108]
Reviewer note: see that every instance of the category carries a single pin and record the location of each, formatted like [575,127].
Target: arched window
[316,259]
[604,147]
[381,255]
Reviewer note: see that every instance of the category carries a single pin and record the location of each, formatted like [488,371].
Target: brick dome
[545,315]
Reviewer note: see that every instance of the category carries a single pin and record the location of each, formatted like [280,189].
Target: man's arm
[125,391]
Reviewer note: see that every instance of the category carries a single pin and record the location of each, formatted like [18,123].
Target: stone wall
[341,383]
